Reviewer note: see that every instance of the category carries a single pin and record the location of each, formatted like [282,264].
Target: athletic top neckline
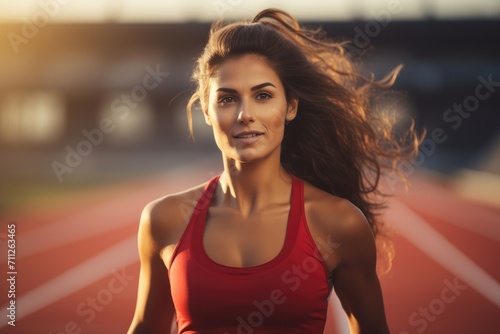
[290,235]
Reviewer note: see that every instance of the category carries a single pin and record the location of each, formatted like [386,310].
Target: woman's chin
[246,156]
[251,154]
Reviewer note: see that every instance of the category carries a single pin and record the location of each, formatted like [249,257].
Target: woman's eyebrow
[234,91]
[265,84]
[227,90]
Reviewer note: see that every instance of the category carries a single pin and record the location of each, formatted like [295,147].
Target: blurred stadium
[93,126]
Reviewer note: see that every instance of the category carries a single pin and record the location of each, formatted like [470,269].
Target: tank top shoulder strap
[304,232]
[200,209]
[297,200]
[205,198]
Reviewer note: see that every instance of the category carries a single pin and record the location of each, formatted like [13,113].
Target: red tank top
[288,294]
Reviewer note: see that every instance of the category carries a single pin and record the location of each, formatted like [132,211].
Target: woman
[294,213]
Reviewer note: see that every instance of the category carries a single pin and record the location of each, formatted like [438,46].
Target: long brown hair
[339,141]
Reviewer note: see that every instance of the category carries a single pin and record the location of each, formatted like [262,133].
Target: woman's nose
[245,114]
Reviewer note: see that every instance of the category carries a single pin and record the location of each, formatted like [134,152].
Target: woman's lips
[248,138]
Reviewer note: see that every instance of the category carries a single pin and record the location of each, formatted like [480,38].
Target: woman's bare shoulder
[166,217]
[340,230]
[333,213]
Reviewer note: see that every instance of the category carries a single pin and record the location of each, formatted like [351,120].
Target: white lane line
[76,278]
[339,317]
[429,241]
[110,215]
[89,222]
[450,208]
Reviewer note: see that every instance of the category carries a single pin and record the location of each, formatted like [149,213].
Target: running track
[78,267]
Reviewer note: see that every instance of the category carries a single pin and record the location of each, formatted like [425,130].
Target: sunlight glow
[95,11]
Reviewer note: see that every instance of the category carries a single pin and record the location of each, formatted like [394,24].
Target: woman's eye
[263,96]
[226,100]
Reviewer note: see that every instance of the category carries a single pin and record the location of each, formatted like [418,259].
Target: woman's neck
[249,187]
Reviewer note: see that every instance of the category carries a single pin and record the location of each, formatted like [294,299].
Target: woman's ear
[205,114]
[291,111]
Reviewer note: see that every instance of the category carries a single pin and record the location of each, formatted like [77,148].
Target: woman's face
[247,108]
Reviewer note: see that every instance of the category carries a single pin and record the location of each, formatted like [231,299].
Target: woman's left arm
[355,279]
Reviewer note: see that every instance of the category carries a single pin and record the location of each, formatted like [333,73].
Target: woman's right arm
[154,309]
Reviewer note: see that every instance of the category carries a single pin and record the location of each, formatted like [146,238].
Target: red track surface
[77,265]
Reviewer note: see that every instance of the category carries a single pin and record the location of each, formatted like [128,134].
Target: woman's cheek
[277,122]
[224,120]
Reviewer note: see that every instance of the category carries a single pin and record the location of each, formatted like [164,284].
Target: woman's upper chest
[236,241]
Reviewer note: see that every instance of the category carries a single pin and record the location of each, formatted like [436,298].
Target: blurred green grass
[39,194]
